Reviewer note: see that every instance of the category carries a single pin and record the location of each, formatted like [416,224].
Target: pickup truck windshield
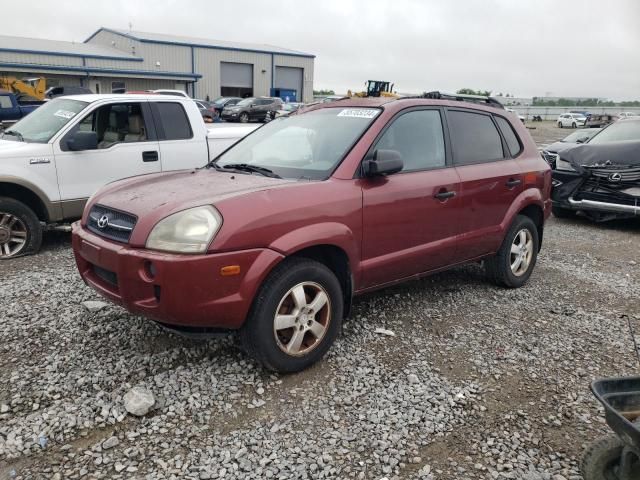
[43,123]
[309,145]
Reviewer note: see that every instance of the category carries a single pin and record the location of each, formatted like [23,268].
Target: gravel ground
[478,382]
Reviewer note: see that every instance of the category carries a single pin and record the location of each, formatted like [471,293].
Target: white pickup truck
[54,159]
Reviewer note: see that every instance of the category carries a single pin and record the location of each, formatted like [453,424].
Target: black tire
[573,125]
[258,335]
[560,212]
[498,268]
[30,225]
[244,117]
[559,124]
[600,459]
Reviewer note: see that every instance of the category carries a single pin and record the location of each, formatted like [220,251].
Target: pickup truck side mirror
[384,162]
[82,141]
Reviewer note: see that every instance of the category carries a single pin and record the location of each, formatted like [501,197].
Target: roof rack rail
[463,98]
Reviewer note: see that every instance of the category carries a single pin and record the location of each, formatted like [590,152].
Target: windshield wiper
[245,167]
[15,133]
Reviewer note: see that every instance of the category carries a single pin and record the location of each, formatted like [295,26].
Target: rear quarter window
[510,136]
[174,121]
[474,138]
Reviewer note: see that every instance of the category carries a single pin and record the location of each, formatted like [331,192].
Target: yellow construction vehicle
[376,88]
[34,87]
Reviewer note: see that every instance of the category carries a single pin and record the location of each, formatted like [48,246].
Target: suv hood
[159,195]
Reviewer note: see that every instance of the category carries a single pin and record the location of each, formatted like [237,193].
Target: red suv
[277,234]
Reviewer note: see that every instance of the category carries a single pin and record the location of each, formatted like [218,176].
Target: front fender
[326,233]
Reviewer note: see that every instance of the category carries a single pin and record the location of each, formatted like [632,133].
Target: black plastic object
[620,398]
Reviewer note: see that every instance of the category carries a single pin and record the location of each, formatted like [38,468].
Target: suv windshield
[302,146]
[618,132]
[44,122]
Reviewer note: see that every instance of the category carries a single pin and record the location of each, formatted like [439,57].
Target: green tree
[471,91]
[324,92]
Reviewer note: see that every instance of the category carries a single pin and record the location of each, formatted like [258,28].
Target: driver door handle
[151,156]
[512,182]
[444,194]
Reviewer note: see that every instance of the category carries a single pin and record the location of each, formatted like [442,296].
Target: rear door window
[474,138]
[5,102]
[509,135]
[418,137]
[173,121]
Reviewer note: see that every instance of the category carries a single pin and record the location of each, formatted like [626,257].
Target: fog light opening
[149,269]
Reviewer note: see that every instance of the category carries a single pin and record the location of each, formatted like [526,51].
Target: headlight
[563,164]
[189,231]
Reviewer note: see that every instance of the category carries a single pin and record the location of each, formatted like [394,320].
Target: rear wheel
[20,231]
[513,264]
[601,458]
[244,117]
[295,317]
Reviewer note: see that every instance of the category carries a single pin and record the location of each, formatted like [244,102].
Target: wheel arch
[30,196]
[536,214]
[336,260]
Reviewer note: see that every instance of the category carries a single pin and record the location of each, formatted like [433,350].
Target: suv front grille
[110,223]
[622,175]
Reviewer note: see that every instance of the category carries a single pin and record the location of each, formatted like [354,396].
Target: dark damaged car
[600,179]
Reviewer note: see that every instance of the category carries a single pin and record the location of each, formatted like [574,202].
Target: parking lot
[475,382]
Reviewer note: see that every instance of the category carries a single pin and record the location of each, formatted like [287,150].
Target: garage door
[290,78]
[236,79]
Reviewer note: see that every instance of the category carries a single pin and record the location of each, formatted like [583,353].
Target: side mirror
[384,162]
[582,139]
[82,141]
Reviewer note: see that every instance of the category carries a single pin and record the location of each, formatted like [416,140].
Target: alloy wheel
[13,235]
[521,252]
[302,318]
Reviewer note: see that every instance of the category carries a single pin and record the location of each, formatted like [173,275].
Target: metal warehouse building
[112,59]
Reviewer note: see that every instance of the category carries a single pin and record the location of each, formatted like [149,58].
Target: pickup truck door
[127,146]
[182,135]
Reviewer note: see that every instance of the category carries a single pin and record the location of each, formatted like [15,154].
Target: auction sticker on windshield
[64,114]
[359,112]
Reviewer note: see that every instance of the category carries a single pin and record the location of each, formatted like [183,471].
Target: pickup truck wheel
[295,317]
[244,117]
[514,262]
[20,231]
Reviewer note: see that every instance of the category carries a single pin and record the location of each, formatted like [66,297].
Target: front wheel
[244,117]
[20,230]
[295,317]
[559,124]
[573,125]
[513,264]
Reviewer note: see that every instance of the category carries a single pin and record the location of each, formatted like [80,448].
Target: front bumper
[230,115]
[177,290]
[573,191]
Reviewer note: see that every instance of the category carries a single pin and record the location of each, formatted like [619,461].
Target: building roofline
[198,45]
[76,55]
[89,70]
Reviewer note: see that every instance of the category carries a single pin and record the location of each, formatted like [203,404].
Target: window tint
[5,102]
[418,136]
[175,122]
[264,102]
[509,135]
[474,138]
[118,87]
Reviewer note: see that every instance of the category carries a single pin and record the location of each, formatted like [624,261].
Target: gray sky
[525,47]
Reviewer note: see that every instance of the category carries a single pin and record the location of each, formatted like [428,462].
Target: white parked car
[571,120]
[511,110]
[55,158]
[628,115]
